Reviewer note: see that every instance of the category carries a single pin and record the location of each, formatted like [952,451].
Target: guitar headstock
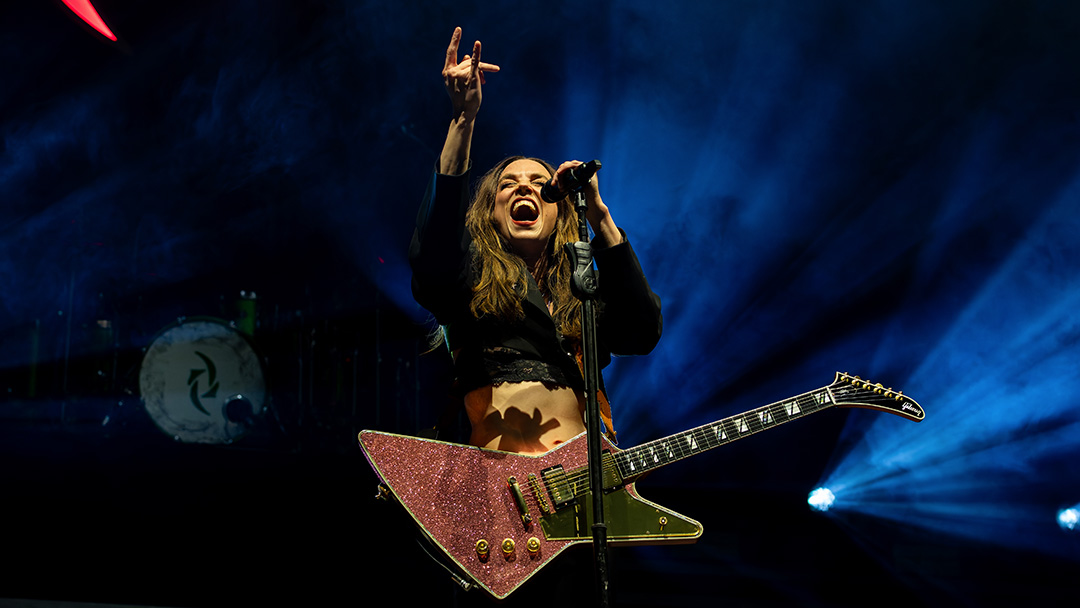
[853,391]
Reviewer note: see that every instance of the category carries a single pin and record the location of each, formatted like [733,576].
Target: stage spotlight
[1069,518]
[821,499]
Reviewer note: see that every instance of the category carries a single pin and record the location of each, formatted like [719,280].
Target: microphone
[573,180]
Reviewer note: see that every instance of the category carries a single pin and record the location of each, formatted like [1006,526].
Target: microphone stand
[584,287]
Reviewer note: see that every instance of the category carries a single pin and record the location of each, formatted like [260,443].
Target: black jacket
[630,322]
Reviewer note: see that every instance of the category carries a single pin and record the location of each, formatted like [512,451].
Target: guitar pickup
[558,485]
[519,499]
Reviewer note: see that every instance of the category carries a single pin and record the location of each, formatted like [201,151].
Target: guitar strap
[601,398]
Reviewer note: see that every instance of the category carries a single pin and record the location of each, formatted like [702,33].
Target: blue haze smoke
[877,187]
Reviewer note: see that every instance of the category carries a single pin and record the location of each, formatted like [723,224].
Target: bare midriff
[524,417]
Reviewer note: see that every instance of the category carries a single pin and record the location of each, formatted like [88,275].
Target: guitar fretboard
[654,454]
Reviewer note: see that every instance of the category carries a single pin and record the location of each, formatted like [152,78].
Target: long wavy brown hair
[503,276]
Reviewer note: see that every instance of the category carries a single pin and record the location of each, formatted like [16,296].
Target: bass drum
[202,382]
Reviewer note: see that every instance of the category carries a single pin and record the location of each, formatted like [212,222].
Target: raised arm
[462,80]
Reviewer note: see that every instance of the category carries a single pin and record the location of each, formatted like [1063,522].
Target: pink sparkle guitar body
[460,495]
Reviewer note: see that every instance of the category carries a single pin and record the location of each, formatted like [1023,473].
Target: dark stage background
[887,188]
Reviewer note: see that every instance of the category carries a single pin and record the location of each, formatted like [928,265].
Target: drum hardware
[246,311]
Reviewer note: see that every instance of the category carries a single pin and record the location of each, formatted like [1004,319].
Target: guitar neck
[655,454]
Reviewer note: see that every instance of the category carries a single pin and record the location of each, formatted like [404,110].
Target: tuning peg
[899,395]
[879,388]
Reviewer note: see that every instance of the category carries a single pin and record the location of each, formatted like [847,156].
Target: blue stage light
[821,499]
[1069,518]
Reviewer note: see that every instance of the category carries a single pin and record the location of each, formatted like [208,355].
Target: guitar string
[577,480]
[704,437]
[699,439]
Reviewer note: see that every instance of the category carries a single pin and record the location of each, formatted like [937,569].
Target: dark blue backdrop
[887,188]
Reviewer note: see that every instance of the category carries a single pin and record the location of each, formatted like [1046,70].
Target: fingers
[475,69]
[562,173]
[566,166]
[452,50]
[486,67]
[468,72]
[483,67]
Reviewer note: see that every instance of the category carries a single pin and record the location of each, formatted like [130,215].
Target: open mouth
[524,211]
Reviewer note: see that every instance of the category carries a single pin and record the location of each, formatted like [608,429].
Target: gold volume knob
[508,547]
[533,545]
[482,548]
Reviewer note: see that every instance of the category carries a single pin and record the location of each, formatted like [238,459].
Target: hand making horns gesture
[463,79]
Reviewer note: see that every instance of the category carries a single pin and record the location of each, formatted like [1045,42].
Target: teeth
[524,210]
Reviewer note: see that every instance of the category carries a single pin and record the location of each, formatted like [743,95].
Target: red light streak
[87,13]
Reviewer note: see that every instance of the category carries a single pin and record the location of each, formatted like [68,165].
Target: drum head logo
[211,380]
[187,370]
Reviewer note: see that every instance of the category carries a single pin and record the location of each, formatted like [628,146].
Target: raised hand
[598,214]
[463,79]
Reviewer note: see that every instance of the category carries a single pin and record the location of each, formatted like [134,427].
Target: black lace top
[500,364]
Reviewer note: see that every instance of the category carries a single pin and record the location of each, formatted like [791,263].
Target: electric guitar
[501,516]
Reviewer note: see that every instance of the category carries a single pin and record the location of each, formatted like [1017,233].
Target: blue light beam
[999,443]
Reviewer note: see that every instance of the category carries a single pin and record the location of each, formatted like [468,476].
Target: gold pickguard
[630,519]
